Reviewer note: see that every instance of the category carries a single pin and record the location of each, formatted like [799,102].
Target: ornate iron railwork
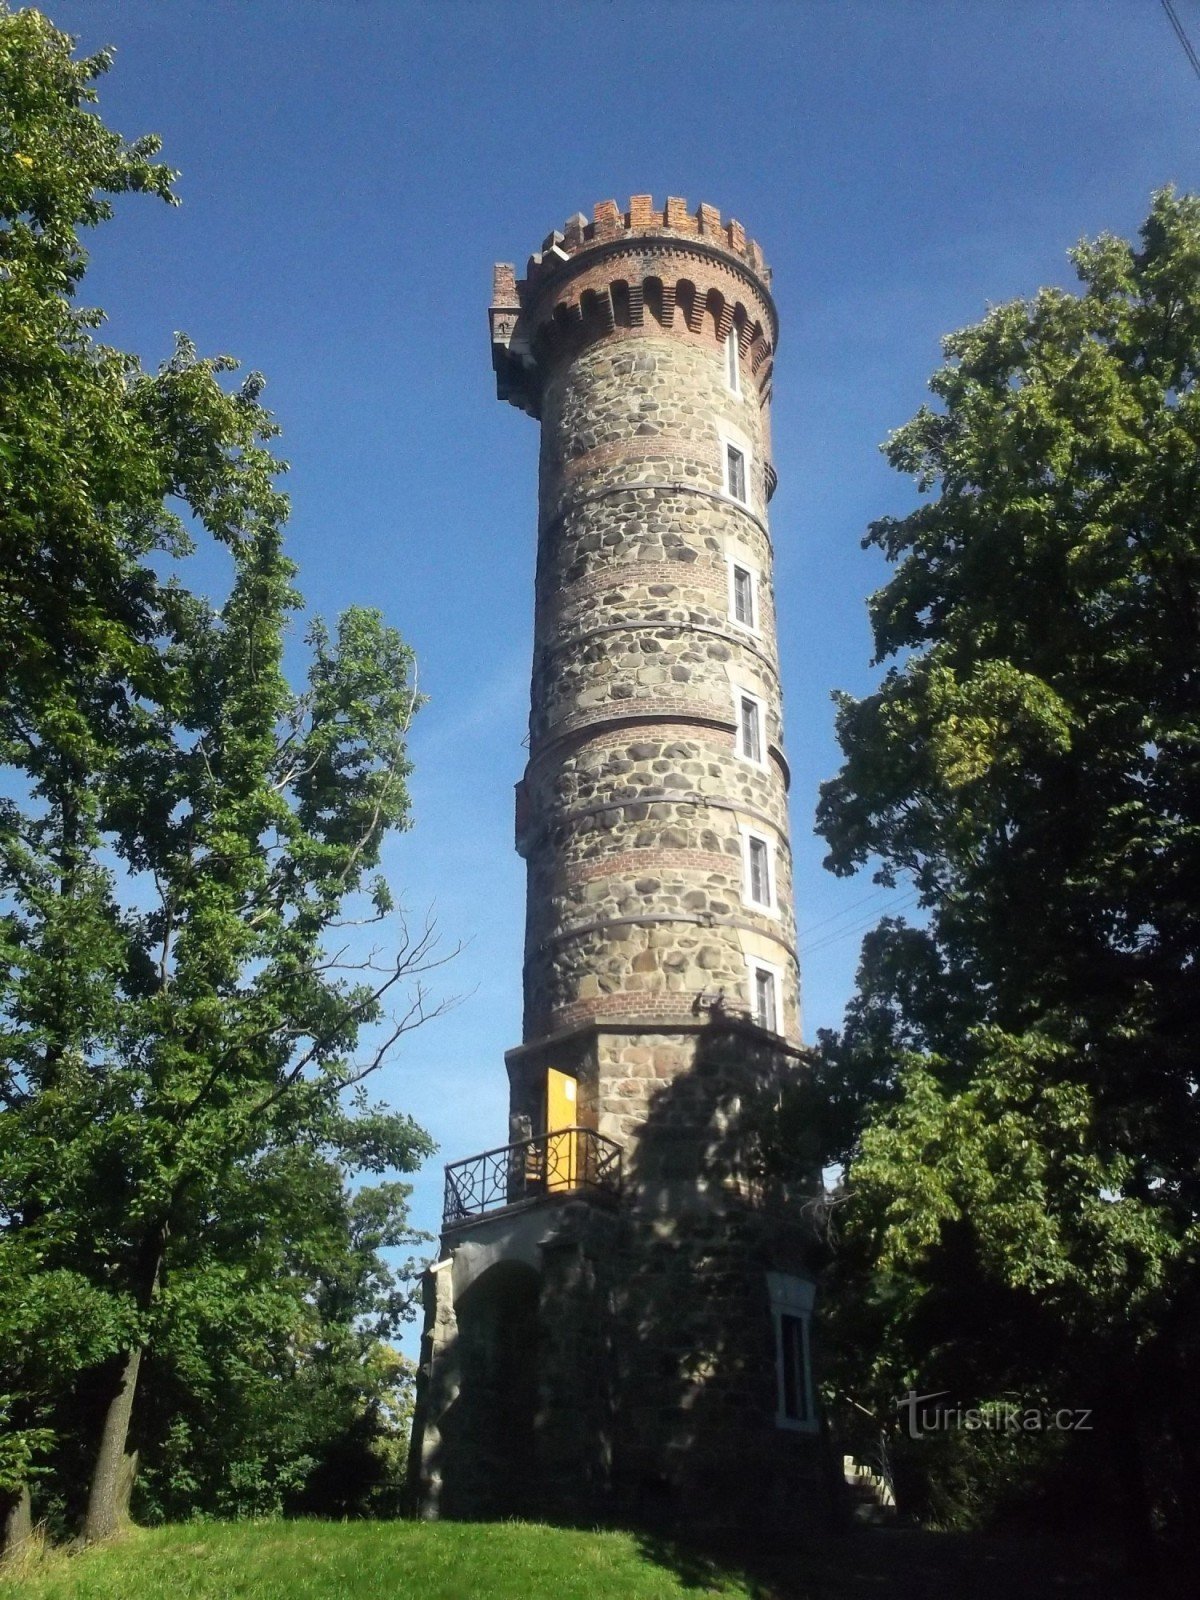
[569,1160]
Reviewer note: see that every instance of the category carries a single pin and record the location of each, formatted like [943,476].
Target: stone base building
[619,1324]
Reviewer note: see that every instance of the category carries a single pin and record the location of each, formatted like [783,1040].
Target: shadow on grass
[705,1570]
[901,1564]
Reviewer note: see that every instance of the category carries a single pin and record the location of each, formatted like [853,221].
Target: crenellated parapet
[610,224]
[631,272]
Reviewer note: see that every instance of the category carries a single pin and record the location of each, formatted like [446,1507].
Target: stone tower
[619,1321]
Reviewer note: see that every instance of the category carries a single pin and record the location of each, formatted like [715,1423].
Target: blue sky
[351,169]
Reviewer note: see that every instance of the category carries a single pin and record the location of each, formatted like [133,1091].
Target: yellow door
[562,1155]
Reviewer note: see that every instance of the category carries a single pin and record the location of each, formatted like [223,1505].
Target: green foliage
[1015,1087]
[271,1386]
[188,852]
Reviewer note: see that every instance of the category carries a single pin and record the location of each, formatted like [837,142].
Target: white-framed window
[737,474]
[758,872]
[791,1311]
[733,375]
[743,594]
[737,457]
[766,993]
[750,715]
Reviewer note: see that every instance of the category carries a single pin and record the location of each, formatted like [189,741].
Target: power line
[1181,35]
[836,916]
[859,927]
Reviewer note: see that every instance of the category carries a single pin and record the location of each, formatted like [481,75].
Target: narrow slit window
[735,468]
[751,729]
[758,853]
[733,376]
[766,1004]
[743,597]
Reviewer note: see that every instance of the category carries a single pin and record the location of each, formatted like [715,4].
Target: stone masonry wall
[636,797]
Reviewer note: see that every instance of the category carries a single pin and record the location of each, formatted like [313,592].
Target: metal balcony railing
[567,1160]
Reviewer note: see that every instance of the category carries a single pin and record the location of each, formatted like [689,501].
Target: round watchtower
[619,1323]
[653,811]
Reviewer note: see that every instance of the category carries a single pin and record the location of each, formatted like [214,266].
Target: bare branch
[414,959]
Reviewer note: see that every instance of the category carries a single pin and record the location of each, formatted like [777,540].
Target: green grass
[354,1561]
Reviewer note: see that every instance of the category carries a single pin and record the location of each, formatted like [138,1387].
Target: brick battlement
[609,223]
[690,269]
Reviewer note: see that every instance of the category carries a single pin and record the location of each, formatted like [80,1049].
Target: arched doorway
[490,1426]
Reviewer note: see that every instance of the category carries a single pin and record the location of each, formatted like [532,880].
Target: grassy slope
[353,1561]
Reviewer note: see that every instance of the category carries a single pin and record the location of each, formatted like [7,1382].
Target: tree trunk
[115,1471]
[16,1525]
[116,1465]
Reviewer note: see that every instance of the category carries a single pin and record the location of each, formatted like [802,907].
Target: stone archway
[490,1426]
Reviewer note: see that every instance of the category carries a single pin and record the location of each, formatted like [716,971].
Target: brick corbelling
[647,286]
[612,279]
[713,282]
[677,330]
[653,253]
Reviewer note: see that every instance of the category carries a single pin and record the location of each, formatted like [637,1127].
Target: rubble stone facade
[635,1349]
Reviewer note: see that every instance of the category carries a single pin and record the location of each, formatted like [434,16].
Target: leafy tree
[1020,1075]
[187,845]
[272,1385]
[59,432]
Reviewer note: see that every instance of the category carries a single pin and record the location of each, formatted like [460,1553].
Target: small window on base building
[791,1310]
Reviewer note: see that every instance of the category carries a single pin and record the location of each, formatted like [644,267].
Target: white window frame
[755,964]
[731,447]
[793,1297]
[740,694]
[733,361]
[770,906]
[735,564]
[730,437]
